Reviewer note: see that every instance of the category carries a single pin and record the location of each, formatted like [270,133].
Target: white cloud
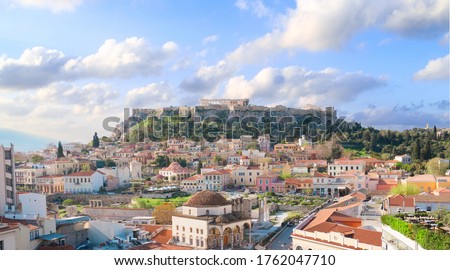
[418,18]
[398,118]
[55,6]
[124,59]
[241,4]
[35,67]
[157,94]
[257,7]
[436,69]
[318,25]
[210,39]
[297,86]
[208,78]
[38,66]
[60,110]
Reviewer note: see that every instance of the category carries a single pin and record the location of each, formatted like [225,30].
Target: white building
[121,172]
[331,230]
[135,170]
[33,204]
[175,172]
[217,180]
[7,180]
[207,221]
[405,159]
[84,182]
[8,236]
[344,165]
[193,184]
[26,176]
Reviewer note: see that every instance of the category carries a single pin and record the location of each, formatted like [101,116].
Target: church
[207,221]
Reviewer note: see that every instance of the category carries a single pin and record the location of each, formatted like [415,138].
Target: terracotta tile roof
[348,161]
[400,200]
[297,181]
[432,198]
[66,247]
[50,176]
[150,228]
[218,172]
[387,181]
[361,196]
[9,227]
[363,235]
[326,242]
[321,216]
[422,178]
[318,174]
[194,178]
[82,173]
[163,237]
[157,246]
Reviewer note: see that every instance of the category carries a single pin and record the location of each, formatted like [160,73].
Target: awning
[52,236]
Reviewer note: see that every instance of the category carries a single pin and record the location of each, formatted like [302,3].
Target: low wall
[105,213]
[84,199]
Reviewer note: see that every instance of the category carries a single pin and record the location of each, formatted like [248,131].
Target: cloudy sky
[65,65]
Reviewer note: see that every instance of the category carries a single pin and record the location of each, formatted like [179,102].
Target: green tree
[95,141]
[426,153]
[60,153]
[199,167]
[435,167]
[416,151]
[434,133]
[37,158]
[336,151]
[407,189]
[110,163]
[164,212]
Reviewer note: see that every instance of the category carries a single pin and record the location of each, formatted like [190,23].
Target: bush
[427,239]
[68,202]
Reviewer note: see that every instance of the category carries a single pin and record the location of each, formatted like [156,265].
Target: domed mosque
[208,222]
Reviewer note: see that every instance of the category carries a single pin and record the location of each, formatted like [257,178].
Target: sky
[65,65]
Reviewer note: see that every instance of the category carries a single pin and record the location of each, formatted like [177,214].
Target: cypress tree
[95,141]
[416,150]
[426,153]
[60,152]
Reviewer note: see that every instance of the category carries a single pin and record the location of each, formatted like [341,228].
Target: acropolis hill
[230,110]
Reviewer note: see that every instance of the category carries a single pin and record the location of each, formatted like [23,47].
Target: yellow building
[425,182]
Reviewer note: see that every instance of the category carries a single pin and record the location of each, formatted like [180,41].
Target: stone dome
[206,198]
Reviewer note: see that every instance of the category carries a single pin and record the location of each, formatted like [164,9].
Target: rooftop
[207,198]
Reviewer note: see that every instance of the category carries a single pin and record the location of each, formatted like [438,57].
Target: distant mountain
[23,141]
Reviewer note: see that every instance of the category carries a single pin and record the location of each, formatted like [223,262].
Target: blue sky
[66,65]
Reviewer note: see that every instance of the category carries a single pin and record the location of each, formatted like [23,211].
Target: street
[283,241]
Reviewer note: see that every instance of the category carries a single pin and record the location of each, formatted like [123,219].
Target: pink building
[269,182]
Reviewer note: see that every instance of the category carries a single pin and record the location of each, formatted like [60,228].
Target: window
[177,228]
[196,230]
[207,212]
[183,231]
[428,208]
[2,247]
[201,231]
[190,229]
[34,234]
